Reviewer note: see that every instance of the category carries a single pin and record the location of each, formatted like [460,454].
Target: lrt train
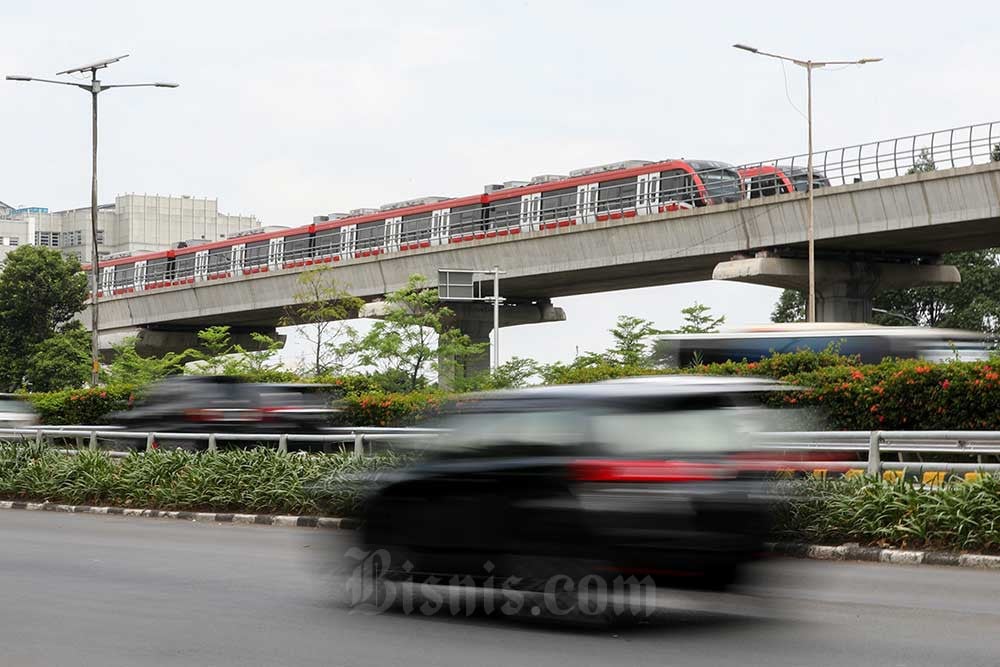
[595,194]
[767,180]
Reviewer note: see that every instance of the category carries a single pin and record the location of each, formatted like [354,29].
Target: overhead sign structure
[461,285]
[457,285]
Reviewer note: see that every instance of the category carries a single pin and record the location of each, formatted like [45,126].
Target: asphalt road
[90,590]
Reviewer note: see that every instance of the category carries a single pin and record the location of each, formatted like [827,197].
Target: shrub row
[895,394]
[254,480]
[956,516]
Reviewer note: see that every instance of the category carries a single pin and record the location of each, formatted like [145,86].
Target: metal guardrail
[877,443]
[658,192]
[361,440]
[358,438]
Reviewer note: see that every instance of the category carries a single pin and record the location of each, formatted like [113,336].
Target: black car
[224,404]
[631,478]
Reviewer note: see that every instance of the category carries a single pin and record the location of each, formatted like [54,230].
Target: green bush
[391,409]
[82,406]
[956,516]
[253,480]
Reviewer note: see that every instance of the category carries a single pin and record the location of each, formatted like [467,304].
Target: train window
[327,242]
[123,275]
[764,186]
[616,195]
[184,265]
[676,185]
[415,227]
[467,218]
[297,246]
[156,270]
[559,204]
[218,260]
[504,213]
[256,253]
[370,234]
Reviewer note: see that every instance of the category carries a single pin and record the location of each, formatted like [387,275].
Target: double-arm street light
[809,66]
[94,87]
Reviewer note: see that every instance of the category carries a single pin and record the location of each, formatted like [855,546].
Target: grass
[252,480]
[958,515]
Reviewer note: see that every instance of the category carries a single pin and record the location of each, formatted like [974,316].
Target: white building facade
[133,224]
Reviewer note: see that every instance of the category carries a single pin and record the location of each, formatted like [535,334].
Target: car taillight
[201,415]
[649,471]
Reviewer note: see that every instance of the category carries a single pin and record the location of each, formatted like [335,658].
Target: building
[133,224]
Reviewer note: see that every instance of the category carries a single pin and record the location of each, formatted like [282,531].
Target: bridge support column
[476,321]
[844,290]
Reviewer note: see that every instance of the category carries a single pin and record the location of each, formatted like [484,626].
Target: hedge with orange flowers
[390,409]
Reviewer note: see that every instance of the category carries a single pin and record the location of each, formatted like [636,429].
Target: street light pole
[94,88]
[809,66]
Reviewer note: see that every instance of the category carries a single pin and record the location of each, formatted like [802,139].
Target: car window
[14,405]
[665,431]
[511,432]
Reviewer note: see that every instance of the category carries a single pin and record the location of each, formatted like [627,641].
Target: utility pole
[809,66]
[94,87]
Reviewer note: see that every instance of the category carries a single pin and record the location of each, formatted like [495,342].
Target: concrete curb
[856,552]
[219,517]
[844,552]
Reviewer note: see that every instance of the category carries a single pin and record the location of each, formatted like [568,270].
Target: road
[90,590]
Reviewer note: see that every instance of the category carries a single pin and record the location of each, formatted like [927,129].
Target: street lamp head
[18,77]
[865,61]
[744,47]
[165,84]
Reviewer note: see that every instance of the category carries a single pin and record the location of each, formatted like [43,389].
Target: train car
[768,180]
[594,194]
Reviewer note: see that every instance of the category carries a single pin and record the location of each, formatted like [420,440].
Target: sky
[288,110]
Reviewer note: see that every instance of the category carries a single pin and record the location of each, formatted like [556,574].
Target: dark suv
[223,404]
[644,477]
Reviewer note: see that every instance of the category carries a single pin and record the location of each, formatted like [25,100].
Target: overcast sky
[291,109]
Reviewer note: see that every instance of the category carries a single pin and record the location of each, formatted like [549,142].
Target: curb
[218,517]
[856,552]
[844,552]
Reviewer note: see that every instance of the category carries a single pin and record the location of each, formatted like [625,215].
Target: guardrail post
[874,454]
[150,441]
[359,444]
[39,437]
[211,442]
[283,443]
[93,439]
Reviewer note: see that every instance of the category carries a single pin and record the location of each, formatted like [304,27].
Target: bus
[870,342]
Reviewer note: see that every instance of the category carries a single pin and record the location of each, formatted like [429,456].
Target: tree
[791,307]
[127,366]
[698,318]
[972,304]
[61,361]
[41,290]
[631,347]
[218,354]
[320,307]
[414,338]
[924,162]
[995,153]
[511,374]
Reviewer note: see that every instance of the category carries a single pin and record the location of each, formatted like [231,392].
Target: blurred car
[630,477]
[224,404]
[15,412]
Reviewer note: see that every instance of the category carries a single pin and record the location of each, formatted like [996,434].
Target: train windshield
[721,184]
